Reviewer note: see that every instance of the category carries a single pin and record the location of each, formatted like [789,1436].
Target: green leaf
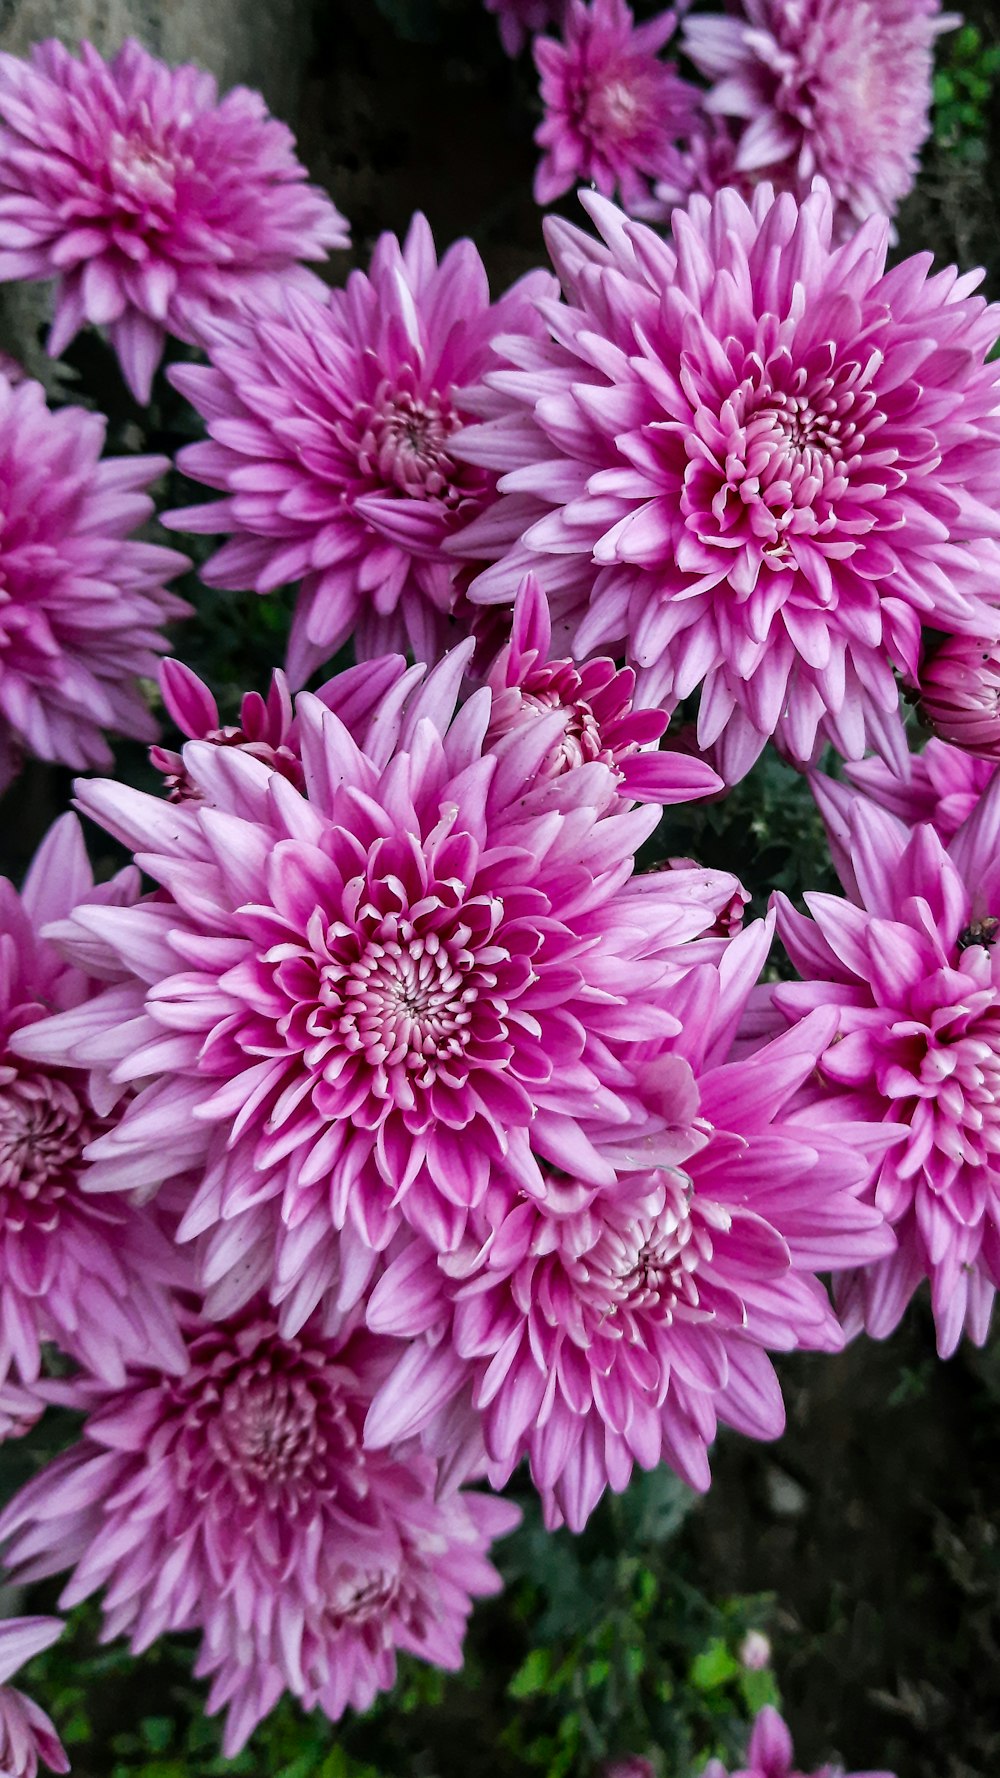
[533,1674]
[714,1666]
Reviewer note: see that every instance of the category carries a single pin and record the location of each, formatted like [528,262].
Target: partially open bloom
[841,88]
[756,462]
[153,203]
[771,1755]
[960,694]
[595,703]
[520,19]
[941,785]
[613,109]
[81,601]
[911,964]
[26,1734]
[237,1500]
[92,1274]
[597,1329]
[263,729]
[331,424]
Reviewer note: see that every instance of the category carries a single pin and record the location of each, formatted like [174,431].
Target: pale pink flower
[755,462]
[613,108]
[26,1734]
[941,785]
[93,1274]
[81,601]
[598,1329]
[154,204]
[630,1765]
[237,1500]
[331,424]
[960,694]
[520,19]
[771,1755]
[356,1003]
[910,964]
[704,162]
[594,702]
[840,88]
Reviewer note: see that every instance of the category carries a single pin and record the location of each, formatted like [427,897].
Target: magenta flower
[841,88]
[613,109]
[595,703]
[756,462]
[356,1004]
[960,695]
[941,785]
[263,729]
[154,205]
[520,19]
[596,1329]
[331,426]
[237,1500]
[26,1734]
[93,1274]
[771,1755]
[82,602]
[910,964]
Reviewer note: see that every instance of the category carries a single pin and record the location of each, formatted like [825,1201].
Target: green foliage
[963,94]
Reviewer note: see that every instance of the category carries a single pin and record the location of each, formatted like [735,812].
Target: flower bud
[960,694]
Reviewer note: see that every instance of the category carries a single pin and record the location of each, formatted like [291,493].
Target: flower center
[615,109]
[403,442]
[142,176]
[269,1426]
[405,999]
[43,1129]
[651,1262]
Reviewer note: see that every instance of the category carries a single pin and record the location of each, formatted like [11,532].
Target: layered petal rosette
[841,88]
[26,1734]
[94,1275]
[237,1500]
[330,428]
[771,1755]
[909,962]
[153,204]
[613,107]
[82,601]
[756,462]
[353,1004]
[594,1330]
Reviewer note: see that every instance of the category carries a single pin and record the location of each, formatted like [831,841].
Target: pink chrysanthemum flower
[941,785]
[613,109]
[238,1500]
[81,601]
[910,961]
[518,20]
[92,1274]
[771,1755]
[841,88]
[960,695]
[595,703]
[154,204]
[331,425]
[356,1003]
[757,462]
[601,1329]
[26,1734]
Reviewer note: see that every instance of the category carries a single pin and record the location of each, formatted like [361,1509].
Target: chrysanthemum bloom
[599,1329]
[154,204]
[520,19]
[26,1734]
[613,109]
[595,703]
[91,1274]
[941,785]
[841,88]
[81,601]
[238,1500]
[353,1003]
[911,964]
[331,425]
[960,695]
[771,1755]
[761,461]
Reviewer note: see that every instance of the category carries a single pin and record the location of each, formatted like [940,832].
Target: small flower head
[152,202]
[960,695]
[613,109]
[81,601]
[237,1499]
[841,88]
[26,1734]
[771,1755]
[331,424]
